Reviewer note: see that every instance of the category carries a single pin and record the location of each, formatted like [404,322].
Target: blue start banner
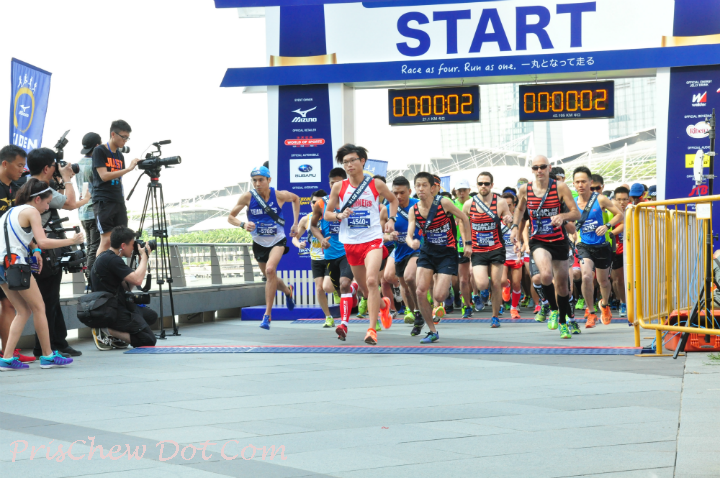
[375,166]
[28,104]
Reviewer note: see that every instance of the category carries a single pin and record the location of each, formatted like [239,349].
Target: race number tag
[437,238]
[543,226]
[267,229]
[484,239]
[507,240]
[359,220]
[305,251]
[589,226]
[402,238]
[334,227]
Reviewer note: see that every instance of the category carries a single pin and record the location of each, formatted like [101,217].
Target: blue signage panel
[567,101]
[434,105]
[29,94]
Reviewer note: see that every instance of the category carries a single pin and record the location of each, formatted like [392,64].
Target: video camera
[71,260]
[153,162]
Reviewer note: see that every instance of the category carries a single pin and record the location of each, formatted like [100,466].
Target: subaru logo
[305,168]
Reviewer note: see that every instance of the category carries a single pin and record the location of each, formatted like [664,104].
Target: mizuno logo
[24,108]
[303,113]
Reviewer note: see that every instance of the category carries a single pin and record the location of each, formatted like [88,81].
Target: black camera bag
[17,276]
[98,309]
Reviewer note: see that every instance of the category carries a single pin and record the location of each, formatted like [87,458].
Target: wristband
[513,226]
[36,250]
[393,218]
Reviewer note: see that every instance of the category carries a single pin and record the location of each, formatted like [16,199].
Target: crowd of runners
[416,251]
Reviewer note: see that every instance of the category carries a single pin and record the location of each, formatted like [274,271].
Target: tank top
[402,250]
[364,224]
[331,230]
[440,234]
[267,232]
[316,250]
[485,231]
[17,246]
[594,220]
[510,254]
[540,227]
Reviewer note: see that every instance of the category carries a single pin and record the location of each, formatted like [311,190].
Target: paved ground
[367,415]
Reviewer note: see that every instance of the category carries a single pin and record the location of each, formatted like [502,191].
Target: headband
[43,191]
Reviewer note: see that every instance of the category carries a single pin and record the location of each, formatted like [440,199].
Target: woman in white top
[23,224]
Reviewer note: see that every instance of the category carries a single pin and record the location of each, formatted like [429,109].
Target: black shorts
[486,258]
[462,259]
[262,253]
[337,268]
[601,255]
[617,262]
[319,268]
[439,262]
[109,214]
[402,265]
[558,250]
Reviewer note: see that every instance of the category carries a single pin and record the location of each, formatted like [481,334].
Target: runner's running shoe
[553,322]
[371,337]
[506,294]
[265,322]
[514,314]
[542,314]
[580,304]
[394,314]
[495,323]
[590,320]
[416,330]
[12,364]
[289,301]
[329,322]
[574,328]
[23,358]
[54,361]
[525,302]
[537,309]
[605,314]
[564,332]
[485,295]
[102,338]
[623,310]
[467,312]
[458,302]
[336,296]
[501,311]
[438,314]
[449,309]
[430,338]
[385,316]
[409,317]
[362,309]
[341,330]
[378,324]
[478,303]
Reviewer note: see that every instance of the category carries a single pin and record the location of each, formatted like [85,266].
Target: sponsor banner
[445,184]
[375,166]
[29,94]
[694,92]
[305,155]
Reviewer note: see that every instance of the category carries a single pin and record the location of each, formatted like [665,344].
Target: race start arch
[319,52]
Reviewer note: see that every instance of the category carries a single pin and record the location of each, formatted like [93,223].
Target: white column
[662,106]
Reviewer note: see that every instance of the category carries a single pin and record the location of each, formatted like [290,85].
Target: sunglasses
[481,183]
[596,188]
[542,167]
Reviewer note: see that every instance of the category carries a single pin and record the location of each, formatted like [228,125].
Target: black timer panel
[567,101]
[434,105]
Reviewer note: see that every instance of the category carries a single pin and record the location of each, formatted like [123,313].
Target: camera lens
[76,168]
[153,245]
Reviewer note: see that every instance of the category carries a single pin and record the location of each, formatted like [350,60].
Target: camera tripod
[158,220]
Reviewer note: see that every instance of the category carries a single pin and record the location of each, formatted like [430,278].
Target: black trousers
[92,239]
[136,321]
[50,291]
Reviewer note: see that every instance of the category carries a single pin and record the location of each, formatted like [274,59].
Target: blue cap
[261,171]
[637,190]
[652,191]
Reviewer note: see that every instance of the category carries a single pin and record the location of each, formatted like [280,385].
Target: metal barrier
[666,258]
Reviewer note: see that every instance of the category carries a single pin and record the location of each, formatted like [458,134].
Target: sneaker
[580,304]
[605,315]
[506,294]
[393,314]
[564,332]
[371,337]
[495,323]
[119,344]
[537,309]
[467,312]
[514,314]
[336,296]
[485,295]
[265,323]
[525,302]
[23,358]
[587,312]
[623,310]
[458,303]
[478,303]
[553,322]
[54,361]
[416,330]
[430,338]
[102,339]
[11,365]
[378,324]
[289,301]
[341,330]
[438,314]
[409,317]
[590,321]
[574,327]
[362,309]
[542,314]
[385,316]
[329,322]
[501,311]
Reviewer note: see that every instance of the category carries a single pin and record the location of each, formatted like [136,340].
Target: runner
[544,199]
[513,263]
[433,214]
[358,198]
[594,251]
[318,264]
[461,285]
[621,199]
[487,211]
[266,224]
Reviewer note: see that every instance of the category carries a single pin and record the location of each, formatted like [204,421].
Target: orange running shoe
[506,294]
[438,313]
[371,337]
[606,314]
[514,314]
[385,316]
[590,321]
[587,312]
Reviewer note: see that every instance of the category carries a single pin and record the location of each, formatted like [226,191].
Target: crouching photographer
[111,310]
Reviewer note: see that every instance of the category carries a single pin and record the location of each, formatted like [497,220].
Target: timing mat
[450,321]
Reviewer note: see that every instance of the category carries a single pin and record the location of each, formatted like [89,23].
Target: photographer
[111,274]
[42,165]
[108,169]
[86,215]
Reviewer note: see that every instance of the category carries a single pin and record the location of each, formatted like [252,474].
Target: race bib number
[267,229]
[402,238]
[589,227]
[437,238]
[507,240]
[359,220]
[305,251]
[484,239]
[334,228]
[543,226]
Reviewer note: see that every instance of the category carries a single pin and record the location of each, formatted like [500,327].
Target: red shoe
[341,330]
[514,314]
[537,308]
[506,294]
[23,358]
[385,316]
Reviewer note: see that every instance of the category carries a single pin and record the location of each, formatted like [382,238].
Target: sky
[159,66]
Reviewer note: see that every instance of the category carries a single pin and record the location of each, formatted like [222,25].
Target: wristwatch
[393,218]
[513,226]
[242,225]
[609,226]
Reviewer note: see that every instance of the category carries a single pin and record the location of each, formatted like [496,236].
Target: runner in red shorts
[513,262]
[358,199]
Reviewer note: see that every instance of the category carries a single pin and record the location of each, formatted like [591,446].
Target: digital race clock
[434,105]
[567,101]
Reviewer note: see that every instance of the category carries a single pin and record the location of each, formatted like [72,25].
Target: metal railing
[667,257]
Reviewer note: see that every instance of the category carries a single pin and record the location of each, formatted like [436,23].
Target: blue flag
[376,166]
[28,104]
[445,184]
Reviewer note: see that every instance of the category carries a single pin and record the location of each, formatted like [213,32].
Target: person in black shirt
[108,169]
[111,274]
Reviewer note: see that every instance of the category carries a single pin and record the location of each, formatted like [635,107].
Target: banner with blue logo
[445,184]
[30,90]
[375,166]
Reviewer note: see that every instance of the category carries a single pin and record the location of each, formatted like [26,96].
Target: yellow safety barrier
[666,265]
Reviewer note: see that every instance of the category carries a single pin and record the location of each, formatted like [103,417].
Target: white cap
[462,184]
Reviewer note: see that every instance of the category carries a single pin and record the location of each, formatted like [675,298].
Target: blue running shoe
[54,361]
[289,301]
[495,323]
[265,324]
[467,312]
[485,295]
[478,302]
[12,364]
[502,310]
[430,338]
[623,310]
